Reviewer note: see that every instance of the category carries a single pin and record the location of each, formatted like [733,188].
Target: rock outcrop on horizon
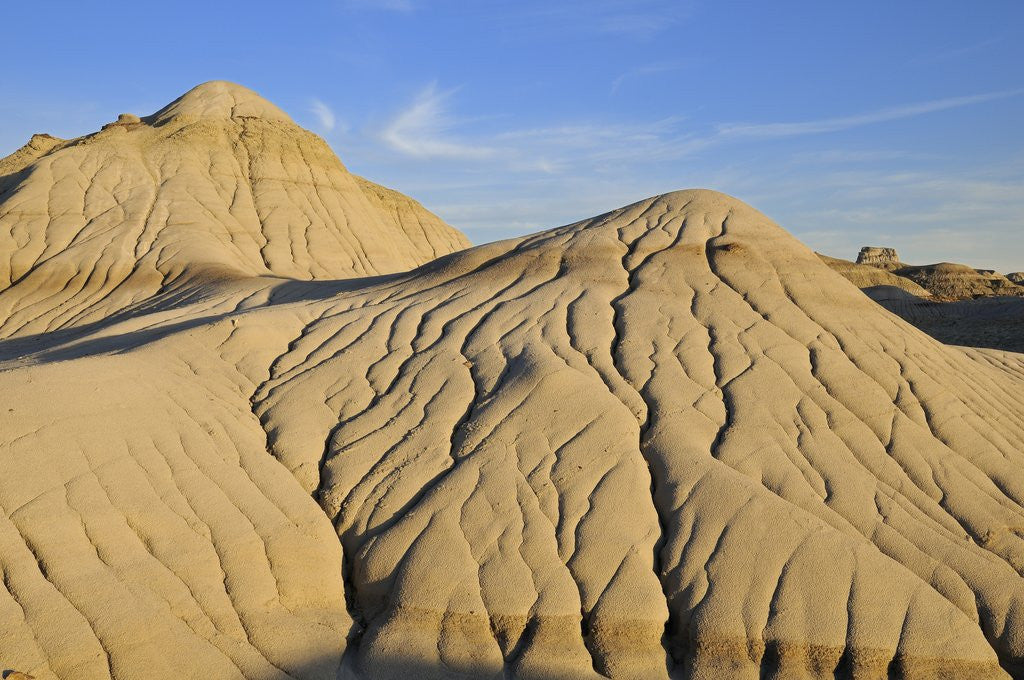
[665,442]
[953,303]
[869,276]
[883,258]
[945,281]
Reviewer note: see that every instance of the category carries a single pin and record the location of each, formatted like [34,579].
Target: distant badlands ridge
[954,303]
[262,419]
[944,281]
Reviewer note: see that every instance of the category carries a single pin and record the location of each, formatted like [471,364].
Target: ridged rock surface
[666,442]
[218,184]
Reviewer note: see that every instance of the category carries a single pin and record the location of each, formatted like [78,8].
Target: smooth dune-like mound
[219,184]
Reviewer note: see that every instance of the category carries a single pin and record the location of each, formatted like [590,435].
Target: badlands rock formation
[944,281]
[883,258]
[953,303]
[949,281]
[666,442]
[868,277]
[220,184]
[991,322]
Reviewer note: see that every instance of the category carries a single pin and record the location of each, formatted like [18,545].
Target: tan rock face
[944,281]
[953,303]
[220,184]
[664,442]
[883,258]
[866,276]
[949,281]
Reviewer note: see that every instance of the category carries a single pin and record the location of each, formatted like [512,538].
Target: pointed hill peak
[219,99]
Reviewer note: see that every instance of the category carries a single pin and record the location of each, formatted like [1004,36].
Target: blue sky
[876,122]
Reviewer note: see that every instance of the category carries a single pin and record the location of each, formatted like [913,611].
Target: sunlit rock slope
[218,184]
[665,442]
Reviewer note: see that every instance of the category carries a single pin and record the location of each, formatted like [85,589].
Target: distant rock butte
[989,309]
[884,258]
[666,442]
[943,281]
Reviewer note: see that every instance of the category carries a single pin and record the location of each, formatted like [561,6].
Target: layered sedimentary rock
[867,277]
[950,281]
[953,303]
[944,281]
[666,442]
[218,184]
[989,322]
[883,258]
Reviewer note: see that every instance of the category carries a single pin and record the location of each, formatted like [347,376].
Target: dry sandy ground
[665,442]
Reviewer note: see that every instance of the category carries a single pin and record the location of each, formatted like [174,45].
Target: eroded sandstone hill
[666,442]
[218,184]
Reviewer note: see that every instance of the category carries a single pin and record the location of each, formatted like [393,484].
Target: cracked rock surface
[220,184]
[666,442]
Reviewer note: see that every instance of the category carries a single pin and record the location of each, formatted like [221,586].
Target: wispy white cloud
[634,24]
[592,145]
[810,127]
[324,115]
[427,128]
[522,179]
[423,129]
[850,156]
[970,215]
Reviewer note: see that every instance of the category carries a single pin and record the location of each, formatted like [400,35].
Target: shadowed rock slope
[961,306]
[992,322]
[664,442]
[949,281]
[219,184]
[866,276]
